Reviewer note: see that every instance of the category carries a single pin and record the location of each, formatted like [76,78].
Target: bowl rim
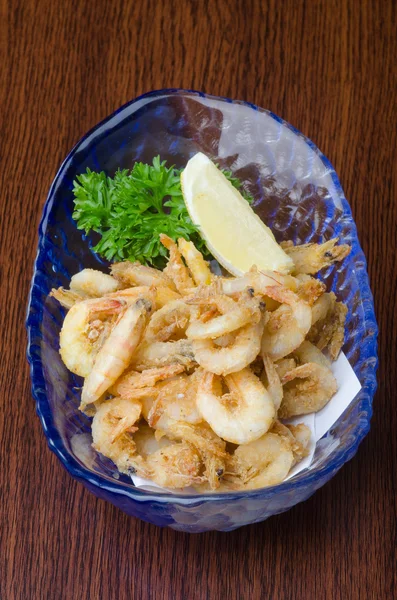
[35,313]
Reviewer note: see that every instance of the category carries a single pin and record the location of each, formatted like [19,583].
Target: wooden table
[328,67]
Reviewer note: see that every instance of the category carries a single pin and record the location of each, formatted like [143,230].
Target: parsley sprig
[131,209]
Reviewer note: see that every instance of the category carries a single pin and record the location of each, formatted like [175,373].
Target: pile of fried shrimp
[188,375]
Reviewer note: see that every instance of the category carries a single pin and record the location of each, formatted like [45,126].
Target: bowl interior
[296,193]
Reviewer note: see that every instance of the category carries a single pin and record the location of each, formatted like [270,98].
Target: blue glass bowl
[296,192]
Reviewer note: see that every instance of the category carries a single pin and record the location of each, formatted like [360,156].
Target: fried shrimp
[86,284]
[309,289]
[287,326]
[176,270]
[116,353]
[261,463]
[271,381]
[311,258]
[328,328]
[243,414]
[115,435]
[223,360]
[175,401]
[284,366]
[298,436]
[309,353]
[133,380]
[84,330]
[67,298]
[93,283]
[259,281]
[166,462]
[112,428]
[170,320]
[161,295]
[177,465]
[211,448]
[132,274]
[233,315]
[187,372]
[160,354]
[307,388]
[196,264]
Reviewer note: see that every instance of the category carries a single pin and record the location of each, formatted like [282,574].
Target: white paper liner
[319,423]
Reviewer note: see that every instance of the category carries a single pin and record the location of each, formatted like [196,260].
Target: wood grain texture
[328,67]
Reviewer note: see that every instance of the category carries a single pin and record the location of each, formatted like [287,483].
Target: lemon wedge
[233,233]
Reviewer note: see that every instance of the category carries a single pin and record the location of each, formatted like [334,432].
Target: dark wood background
[328,67]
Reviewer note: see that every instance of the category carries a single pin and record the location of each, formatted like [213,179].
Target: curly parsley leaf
[130,210]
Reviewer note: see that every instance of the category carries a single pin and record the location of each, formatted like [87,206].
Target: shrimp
[161,295]
[287,326]
[224,340]
[175,466]
[176,269]
[194,259]
[311,258]
[133,380]
[112,426]
[309,353]
[323,306]
[93,283]
[116,353]
[258,280]
[302,435]
[328,328]
[160,354]
[284,365]
[67,298]
[230,359]
[165,462]
[298,436]
[271,381]
[234,315]
[176,401]
[240,416]
[84,330]
[174,398]
[135,274]
[86,284]
[211,448]
[309,288]
[310,395]
[170,320]
[261,463]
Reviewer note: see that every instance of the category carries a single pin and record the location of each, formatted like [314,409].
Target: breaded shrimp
[235,357]
[176,270]
[112,426]
[196,264]
[328,328]
[243,414]
[311,258]
[261,463]
[135,274]
[233,316]
[84,330]
[171,319]
[161,295]
[160,354]
[94,283]
[287,326]
[317,387]
[116,353]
